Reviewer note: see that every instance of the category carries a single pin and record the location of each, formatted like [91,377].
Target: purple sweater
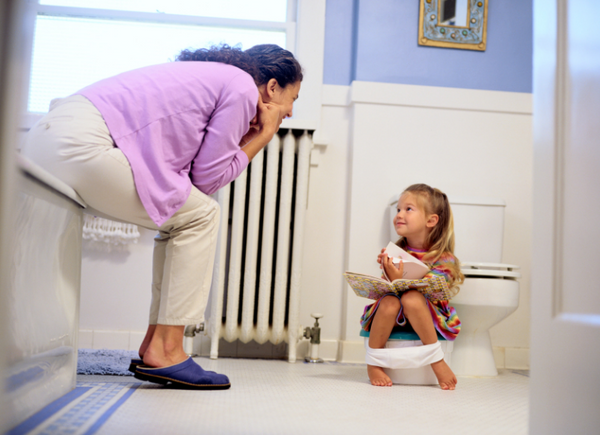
[178,124]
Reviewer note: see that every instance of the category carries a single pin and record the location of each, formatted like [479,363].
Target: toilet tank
[478,228]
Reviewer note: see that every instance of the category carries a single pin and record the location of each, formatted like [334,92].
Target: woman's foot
[444,374]
[163,346]
[146,341]
[163,359]
[378,377]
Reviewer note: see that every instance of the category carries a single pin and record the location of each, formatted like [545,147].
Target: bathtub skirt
[73,143]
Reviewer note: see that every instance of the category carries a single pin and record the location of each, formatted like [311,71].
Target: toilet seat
[490,270]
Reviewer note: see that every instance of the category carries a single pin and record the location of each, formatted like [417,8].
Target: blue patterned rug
[105,362]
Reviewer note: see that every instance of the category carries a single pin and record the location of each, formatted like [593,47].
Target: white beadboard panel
[352,352]
[517,358]
[499,357]
[86,339]
[111,340]
[135,339]
[335,95]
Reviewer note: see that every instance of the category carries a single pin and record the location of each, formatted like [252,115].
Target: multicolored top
[444,316]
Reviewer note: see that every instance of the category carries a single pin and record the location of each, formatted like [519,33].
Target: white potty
[410,342]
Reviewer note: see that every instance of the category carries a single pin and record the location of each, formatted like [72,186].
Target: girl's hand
[390,268]
[380,256]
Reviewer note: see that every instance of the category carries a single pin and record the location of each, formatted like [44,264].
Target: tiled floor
[275,397]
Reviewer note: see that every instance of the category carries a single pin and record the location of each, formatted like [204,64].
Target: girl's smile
[411,221]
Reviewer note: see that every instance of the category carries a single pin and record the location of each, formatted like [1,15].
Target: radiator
[255,292]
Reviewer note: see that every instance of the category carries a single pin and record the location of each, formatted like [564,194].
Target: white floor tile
[275,397]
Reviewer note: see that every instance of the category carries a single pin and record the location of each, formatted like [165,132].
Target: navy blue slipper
[185,375]
[134,363]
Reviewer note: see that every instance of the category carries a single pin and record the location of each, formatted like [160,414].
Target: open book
[413,268]
[371,287]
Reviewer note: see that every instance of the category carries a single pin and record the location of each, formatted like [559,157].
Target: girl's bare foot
[378,377]
[444,374]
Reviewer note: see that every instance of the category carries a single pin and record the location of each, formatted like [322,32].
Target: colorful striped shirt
[444,316]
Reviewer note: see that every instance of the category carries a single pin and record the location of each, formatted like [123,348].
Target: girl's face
[411,221]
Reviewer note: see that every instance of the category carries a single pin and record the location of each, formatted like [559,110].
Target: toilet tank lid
[476,200]
[490,269]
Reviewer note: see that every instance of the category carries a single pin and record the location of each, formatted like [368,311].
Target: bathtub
[43,292]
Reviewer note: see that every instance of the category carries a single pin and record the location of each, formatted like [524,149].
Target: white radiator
[255,291]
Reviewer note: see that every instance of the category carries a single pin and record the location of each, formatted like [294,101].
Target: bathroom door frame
[565,318]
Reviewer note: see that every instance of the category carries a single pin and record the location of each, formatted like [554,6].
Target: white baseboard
[352,352]
[505,357]
[329,350]
[516,358]
[121,340]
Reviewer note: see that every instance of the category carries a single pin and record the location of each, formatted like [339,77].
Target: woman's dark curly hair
[263,62]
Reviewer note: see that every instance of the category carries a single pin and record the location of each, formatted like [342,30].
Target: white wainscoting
[466,142]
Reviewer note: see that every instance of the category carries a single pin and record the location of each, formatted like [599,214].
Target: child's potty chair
[405,360]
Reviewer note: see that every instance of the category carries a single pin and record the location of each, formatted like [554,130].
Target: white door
[565,350]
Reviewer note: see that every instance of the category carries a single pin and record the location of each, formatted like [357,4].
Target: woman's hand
[265,123]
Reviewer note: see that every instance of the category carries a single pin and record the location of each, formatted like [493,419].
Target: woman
[147,147]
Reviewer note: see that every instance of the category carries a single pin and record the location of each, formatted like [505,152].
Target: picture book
[413,268]
[371,287]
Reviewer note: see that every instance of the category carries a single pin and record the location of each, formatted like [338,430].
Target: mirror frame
[471,37]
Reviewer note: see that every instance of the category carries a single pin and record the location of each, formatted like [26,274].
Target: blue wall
[376,40]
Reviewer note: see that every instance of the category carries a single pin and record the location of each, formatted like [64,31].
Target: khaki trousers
[73,143]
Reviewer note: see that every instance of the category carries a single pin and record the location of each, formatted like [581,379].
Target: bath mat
[105,362]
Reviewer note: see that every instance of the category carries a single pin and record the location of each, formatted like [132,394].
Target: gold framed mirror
[453,24]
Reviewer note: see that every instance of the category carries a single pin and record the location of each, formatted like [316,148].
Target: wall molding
[428,97]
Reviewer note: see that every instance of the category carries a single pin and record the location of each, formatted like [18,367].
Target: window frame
[150,17]
[304,28]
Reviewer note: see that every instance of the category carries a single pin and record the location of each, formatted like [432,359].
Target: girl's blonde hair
[441,237]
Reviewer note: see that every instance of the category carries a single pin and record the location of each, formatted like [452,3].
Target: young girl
[426,229]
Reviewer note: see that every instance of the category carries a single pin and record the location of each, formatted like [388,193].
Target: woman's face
[282,97]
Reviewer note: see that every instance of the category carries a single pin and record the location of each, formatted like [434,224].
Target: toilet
[489,294]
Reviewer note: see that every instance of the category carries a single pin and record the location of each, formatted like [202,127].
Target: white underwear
[404,357]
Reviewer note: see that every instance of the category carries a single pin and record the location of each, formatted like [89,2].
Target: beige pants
[73,143]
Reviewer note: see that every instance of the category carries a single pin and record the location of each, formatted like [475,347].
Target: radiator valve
[188,338]
[314,334]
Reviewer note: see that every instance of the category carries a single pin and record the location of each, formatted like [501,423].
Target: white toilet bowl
[489,294]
